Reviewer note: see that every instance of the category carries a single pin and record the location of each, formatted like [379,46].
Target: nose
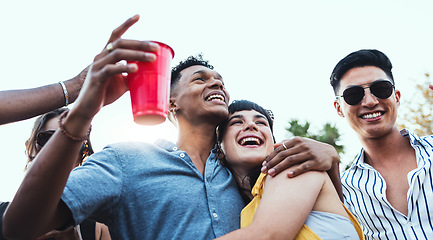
[369,99]
[251,126]
[217,83]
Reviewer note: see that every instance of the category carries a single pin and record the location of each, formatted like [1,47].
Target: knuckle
[309,153]
[115,53]
[146,45]
[289,159]
[105,71]
[97,57]
[115,32]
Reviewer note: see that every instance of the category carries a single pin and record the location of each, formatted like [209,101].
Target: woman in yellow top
[304,207]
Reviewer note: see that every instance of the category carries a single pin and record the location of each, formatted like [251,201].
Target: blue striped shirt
[364,191]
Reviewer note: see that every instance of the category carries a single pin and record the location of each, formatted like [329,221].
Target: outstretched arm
[284,207]
[16,105]
[334,175]
[37,207]
[301,155]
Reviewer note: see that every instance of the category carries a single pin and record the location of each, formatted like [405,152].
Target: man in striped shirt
[389,186]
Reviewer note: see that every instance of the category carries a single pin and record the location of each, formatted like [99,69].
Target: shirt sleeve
[93,190]
[3,207]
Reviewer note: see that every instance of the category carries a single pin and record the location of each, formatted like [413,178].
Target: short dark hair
[190,61]
[241,105]
[236,106]
[360,58]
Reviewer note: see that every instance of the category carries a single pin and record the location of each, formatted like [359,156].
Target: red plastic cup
[149,88]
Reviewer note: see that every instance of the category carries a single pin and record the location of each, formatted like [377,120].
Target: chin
[254,159]
[376,133]
[219,116]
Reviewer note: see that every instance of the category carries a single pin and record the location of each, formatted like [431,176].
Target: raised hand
[106,81]
[301,155]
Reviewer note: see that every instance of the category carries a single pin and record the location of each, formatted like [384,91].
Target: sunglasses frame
[372,91]
[44,134]
[84,150]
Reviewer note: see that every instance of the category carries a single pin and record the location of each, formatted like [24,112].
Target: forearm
[245,233]
[16,105]
[37,205]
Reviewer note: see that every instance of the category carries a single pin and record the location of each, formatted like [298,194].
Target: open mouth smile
[372,115]
[250,141]
[216,97]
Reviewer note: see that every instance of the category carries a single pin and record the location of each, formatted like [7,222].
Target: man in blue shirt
[140,191]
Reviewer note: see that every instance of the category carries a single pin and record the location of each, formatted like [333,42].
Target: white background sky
[277,53]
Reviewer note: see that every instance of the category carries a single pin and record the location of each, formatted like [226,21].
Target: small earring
[173,108]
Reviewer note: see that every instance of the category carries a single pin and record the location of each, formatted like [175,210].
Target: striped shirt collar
[414,141]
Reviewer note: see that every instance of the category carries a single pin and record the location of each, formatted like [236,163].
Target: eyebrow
[377,80]
[204,72]
[235,116]
[199,72]
[242,116]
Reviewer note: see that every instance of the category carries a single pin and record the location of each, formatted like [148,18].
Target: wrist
[65,93]
[75,84]
[67,133]
[74,125]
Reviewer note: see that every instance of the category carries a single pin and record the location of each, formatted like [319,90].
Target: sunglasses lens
[43,137]
[382,89]
[353,95]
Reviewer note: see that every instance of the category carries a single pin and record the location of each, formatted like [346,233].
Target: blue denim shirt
[147,191]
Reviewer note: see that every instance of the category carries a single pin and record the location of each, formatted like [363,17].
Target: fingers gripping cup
[149,88]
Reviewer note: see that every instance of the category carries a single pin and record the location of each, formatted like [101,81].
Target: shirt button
[182,155]
[175,148]
[214,215]
[409,224]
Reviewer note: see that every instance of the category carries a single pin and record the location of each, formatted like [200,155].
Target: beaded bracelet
[67,134]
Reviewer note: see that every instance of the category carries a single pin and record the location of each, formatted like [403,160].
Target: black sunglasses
[380,88]
[43,137]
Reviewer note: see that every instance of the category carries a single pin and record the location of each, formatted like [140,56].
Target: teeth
[215,97]
[250,139]
[371,115]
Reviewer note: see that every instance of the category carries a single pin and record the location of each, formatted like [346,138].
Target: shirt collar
[167,145]
[171,147]
[413,138]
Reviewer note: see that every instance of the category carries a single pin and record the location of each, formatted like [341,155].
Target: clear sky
[277,53]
